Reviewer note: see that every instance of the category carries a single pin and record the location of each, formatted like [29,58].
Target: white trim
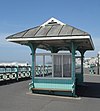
[49,38]
[53,19]
[92,43]
[50,54]
[64,78]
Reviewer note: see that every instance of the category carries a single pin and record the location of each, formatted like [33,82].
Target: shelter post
[33,48]
[73,48]
[82,71]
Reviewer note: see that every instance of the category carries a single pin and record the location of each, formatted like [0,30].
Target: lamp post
[98,62]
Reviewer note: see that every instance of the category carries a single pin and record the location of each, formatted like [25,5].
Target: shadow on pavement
[89,89]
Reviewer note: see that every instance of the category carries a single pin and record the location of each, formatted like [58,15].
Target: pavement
[16,97]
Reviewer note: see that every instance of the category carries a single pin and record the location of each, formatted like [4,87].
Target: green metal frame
[33,48]
[73,49]
[58,83]
[82,71]
[80,77]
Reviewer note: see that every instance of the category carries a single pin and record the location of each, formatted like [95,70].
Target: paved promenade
[16,97]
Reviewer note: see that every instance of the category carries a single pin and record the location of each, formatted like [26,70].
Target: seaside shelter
[59,76]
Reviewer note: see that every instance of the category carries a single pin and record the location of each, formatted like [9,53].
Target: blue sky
[18,15]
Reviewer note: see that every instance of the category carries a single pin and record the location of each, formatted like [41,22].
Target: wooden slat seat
[47,89]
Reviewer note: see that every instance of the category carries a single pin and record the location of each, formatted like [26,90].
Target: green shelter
[55,36]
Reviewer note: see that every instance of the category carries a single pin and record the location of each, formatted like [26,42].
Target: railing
[43,71]
[8,73]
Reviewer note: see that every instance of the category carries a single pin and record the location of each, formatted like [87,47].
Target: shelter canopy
[56,34]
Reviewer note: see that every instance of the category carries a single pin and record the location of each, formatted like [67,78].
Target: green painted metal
[73,61]
[55,83]
[82,71]
[73,64]
[53,80]
[79,75]
[54,86]
[17,69]
[81,79]
[33,48]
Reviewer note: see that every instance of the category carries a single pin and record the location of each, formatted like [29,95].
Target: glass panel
[53,65]
[48,66]
[57,66]
[39,66]
[66,65]
[78,65]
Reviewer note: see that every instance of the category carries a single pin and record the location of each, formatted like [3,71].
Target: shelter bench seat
[68,89]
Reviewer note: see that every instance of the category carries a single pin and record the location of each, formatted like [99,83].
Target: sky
[19,15]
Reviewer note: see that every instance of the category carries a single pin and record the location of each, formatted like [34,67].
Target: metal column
[73,65]
[33,48]
[82,71]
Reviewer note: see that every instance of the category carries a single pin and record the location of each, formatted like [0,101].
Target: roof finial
[53,21]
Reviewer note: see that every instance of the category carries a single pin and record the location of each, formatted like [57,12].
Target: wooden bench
[54,88]
[50,90]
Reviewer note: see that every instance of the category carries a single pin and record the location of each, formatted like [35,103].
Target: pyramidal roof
[53,33]
[52,27]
